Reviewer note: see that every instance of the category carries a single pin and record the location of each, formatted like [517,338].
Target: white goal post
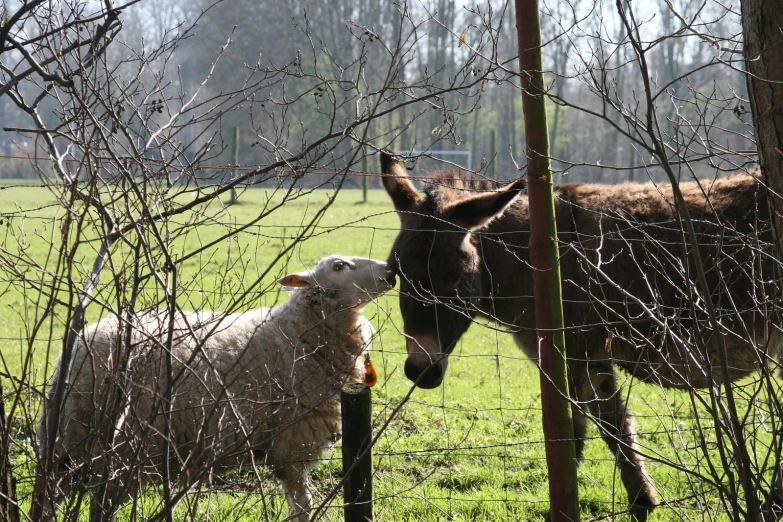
[465,155]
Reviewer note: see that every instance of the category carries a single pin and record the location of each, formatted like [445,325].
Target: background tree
[127,110]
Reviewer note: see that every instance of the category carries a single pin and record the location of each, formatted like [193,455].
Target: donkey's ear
[477,211]
[300,280]
[397,184]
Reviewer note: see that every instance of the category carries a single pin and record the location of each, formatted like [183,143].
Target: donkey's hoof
[640,509]
[646,499]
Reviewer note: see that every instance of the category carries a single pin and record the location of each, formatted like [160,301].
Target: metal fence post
[547,286]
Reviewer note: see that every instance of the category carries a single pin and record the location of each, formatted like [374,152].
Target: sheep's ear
[397,184]
[478,211]
[300,280]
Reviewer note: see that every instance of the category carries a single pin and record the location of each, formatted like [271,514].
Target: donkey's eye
[339,265]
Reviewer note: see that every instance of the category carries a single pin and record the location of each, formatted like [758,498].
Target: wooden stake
[355,400]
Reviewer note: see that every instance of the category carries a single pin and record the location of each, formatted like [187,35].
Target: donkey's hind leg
[617,426]
[580,431]
[577,373]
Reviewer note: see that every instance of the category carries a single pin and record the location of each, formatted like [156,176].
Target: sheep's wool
[266,381]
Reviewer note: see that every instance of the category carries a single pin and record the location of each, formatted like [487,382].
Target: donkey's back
[738,199]
[632,265]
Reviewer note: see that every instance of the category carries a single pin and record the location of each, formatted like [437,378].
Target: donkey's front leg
[617,426]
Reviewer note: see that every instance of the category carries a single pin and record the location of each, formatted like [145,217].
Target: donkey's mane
[448,186]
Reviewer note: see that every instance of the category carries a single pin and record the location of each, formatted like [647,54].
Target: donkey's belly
[526,340]
[678,364]
[690,365]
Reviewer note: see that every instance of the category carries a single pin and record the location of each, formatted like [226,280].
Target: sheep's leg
[617,427]
[298,495]
[50,503]
[773,506]
[105,509]
[63,486]
[107,498]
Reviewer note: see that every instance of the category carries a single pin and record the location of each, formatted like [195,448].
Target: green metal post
[547,287]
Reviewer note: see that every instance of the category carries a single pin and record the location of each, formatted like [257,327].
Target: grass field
[469,450]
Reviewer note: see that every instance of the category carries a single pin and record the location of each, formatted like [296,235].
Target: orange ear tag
[370,375]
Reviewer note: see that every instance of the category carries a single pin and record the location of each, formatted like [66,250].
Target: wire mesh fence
[471,448]
[176,333]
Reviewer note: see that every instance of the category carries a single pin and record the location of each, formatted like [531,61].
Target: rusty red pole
[547,288]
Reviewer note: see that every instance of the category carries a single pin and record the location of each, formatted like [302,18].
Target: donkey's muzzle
[426,363]
[424,373]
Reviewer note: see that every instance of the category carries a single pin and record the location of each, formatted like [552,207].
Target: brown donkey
[629,295]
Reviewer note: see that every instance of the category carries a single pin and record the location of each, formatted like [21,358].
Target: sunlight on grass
[469,450]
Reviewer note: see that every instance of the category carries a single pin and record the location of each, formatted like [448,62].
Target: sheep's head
[351,281]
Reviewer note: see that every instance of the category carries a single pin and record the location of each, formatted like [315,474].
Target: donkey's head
[438,262]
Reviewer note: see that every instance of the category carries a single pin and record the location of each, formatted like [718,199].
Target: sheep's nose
[388,275]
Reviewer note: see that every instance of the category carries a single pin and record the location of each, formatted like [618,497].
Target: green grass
[469,450]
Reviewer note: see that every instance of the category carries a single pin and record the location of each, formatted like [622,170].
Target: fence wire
[470,449]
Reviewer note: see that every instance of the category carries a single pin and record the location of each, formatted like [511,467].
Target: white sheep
[260,387]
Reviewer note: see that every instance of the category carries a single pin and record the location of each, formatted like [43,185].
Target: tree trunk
[762,28]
